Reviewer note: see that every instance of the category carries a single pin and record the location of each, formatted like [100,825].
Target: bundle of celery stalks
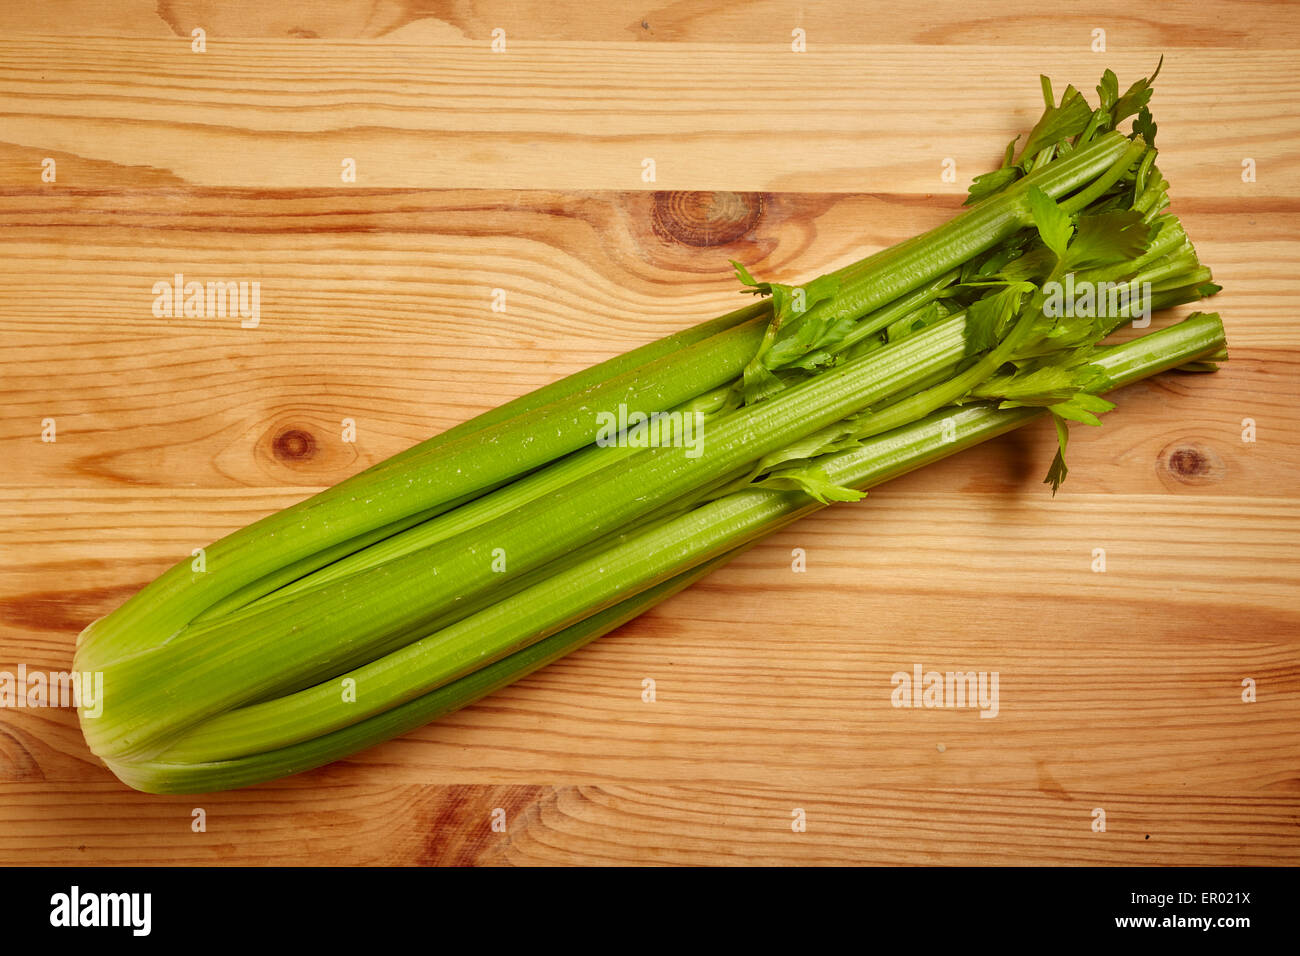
[482,554]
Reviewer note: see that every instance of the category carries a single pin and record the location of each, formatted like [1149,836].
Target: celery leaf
[1057,124]
[812,481]
[1136,97]
[1057,472]
[1108,237]
[1145,126]
[990,318]
[1053,223]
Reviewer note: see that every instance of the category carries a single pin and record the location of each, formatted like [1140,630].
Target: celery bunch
[486,552]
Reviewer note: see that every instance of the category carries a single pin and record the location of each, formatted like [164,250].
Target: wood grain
[1120,690]
[608,824]
[354,286]
[1258,24]
[571,115]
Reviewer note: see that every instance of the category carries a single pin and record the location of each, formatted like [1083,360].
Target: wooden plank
[605,824]
[757,662]
[377,307]
[1213,23]
[565,115]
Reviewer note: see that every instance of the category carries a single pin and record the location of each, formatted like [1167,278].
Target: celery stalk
[655,559]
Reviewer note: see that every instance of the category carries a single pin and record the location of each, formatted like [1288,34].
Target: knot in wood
[706,218]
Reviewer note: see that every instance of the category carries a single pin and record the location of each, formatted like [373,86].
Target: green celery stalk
[447,670]
[390,578]
[164,777]
[250,653]
[245,656]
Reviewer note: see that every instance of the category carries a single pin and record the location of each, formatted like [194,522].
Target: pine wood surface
[522,170]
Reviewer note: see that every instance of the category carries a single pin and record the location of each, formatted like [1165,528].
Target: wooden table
[523,169]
